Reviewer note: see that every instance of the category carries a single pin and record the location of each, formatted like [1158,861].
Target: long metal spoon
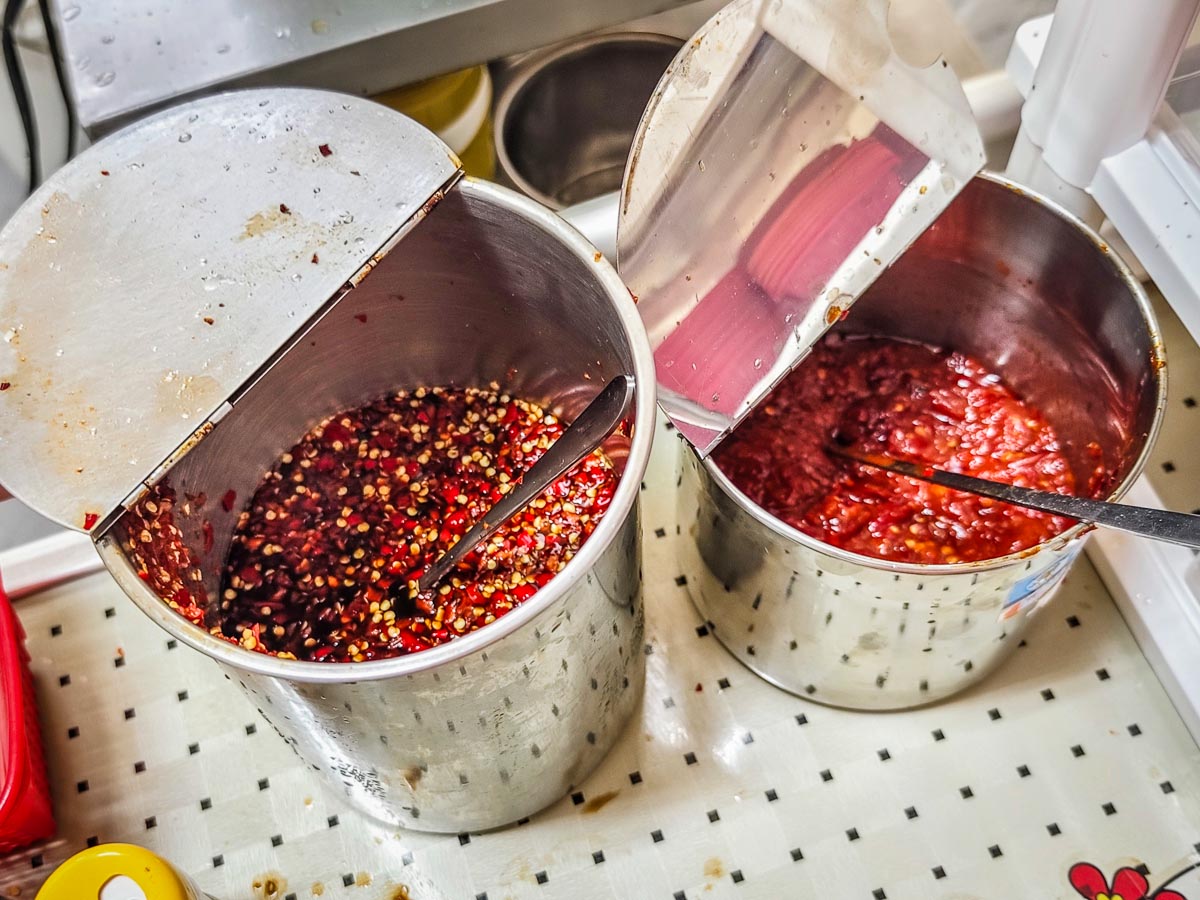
[1160,524]
[597,421]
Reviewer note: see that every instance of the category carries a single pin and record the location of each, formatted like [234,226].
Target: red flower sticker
[1127,884]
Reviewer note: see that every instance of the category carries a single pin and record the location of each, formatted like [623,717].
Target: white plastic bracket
[1096,89]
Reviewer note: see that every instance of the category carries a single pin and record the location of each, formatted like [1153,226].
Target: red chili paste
[910,402]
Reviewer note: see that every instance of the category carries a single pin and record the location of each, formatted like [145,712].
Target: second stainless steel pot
[1013,280]
[567,116]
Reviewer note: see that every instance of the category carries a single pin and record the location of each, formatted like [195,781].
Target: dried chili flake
[156,547]
[283,208]
[321,563]
[89,520]
[325,151]
[228,499]
[5,385]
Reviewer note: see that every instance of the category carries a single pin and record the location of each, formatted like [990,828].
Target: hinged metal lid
[786,158]
[144,283]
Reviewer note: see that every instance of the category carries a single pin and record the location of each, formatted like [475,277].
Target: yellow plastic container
[458,108]
[118,872]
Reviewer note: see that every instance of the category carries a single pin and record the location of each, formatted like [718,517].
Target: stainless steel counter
[127,58]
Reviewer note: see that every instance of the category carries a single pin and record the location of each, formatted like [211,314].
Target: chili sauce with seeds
[325,557]
[910,402]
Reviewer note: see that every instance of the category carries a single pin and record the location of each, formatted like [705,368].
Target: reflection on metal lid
[148,280]
[786,159]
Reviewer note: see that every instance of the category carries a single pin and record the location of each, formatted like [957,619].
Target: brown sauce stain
[401,893]
[836,313]
[714,868]
[66,404]
[600,801]
[269,886]
[362,879]
[262,222]
[317,889]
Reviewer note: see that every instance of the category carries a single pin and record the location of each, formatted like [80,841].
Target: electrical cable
[20,86]
[60,74]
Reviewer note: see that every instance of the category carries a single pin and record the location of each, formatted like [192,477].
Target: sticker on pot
[1033,590]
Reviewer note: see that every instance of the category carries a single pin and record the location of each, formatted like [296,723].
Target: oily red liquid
[909,402]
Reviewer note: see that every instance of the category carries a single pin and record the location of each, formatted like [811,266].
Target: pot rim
[1157,363]
[527,69]
[623,504]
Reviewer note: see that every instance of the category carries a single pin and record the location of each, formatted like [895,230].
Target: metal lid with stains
[786,158]
[144,285]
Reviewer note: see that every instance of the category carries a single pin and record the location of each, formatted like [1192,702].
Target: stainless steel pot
[566,118]
[1014,280]
[498,724]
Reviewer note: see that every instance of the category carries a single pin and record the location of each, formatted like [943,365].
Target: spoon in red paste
[589,430]
[1160,524]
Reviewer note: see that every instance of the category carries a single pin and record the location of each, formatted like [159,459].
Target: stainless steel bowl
[1014,280]
[565,121]
[499,723]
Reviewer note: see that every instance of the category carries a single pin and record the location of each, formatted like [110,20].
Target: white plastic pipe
[596,219]
[1097,88]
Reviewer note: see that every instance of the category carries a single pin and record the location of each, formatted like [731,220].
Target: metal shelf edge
[1147,582]
[43,563]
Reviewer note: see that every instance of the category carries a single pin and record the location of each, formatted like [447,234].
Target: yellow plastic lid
[457,108]
[436,102]
[116,872]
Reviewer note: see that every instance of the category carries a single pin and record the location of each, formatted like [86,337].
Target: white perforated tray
[723,787]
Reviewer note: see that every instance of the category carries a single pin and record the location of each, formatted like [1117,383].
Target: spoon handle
[597,421]
[1160,524]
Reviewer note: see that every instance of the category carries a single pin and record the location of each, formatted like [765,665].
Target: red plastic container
[26,814]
